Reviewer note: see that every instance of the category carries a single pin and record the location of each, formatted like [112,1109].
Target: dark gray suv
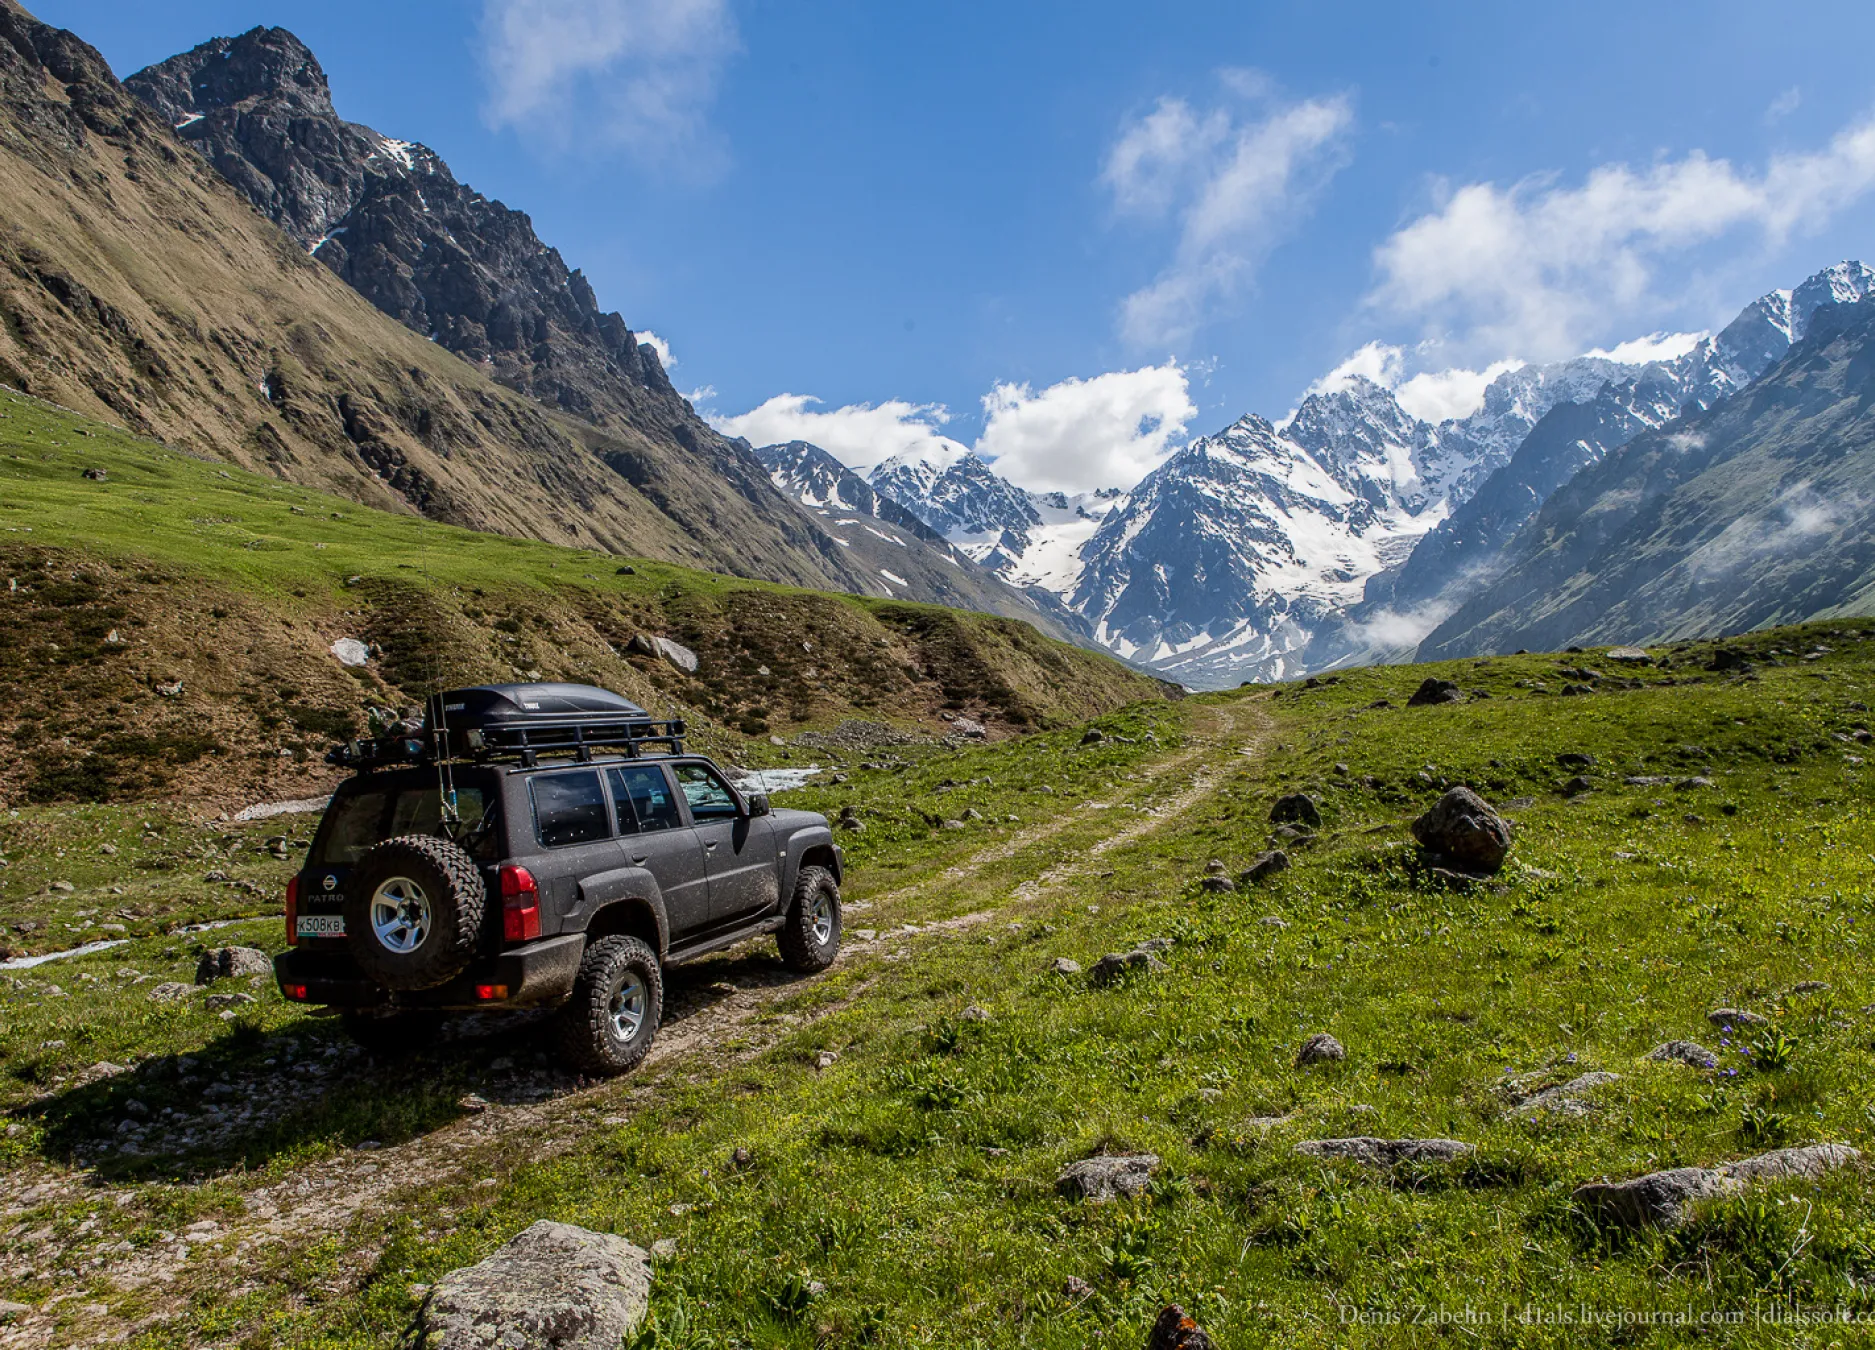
[543,845]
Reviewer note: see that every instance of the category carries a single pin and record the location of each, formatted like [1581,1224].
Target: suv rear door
[651,829]
[574,829]
[739,850]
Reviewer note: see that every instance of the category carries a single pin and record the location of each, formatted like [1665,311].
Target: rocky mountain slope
[907,556]
[1756,512]
[1466,551]
[137,286]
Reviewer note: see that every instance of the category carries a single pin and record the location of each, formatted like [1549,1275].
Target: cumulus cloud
[1234,187]
[1432,396]
[1074,436]
[638,74]
[647,338]
[1539,268]
[859,435]
[1653,347]
[1108,431]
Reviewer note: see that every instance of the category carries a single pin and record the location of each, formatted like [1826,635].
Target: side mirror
[758,804]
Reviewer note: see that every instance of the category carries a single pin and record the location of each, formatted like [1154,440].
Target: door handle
[711,844]
[641,858]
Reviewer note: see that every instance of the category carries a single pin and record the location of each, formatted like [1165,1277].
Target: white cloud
[1541,269]
[860,435]
[637,74]
[1235,188]
[1078,435]
[1107,431]
[1654,347]
[647,338]
[1377,361]
[1783,105]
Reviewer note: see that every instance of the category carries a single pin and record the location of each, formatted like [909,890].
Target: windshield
[361,820]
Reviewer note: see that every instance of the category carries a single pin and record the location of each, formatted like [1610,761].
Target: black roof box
[487,704]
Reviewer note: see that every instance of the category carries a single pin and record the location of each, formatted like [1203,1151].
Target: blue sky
[1119,224]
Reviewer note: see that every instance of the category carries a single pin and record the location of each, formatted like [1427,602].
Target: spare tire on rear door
[413,912]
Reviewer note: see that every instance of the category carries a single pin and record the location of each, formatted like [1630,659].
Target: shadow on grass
[252,1098]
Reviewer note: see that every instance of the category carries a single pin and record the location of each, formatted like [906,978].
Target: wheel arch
[633,916]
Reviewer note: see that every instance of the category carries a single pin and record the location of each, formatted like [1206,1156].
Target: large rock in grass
[1098,1180]
[1386,1152]
[1298,808]
[1433,691]
[552,1287]
[1464,831]
[1176,1329]
[1660,1199]
[230,963]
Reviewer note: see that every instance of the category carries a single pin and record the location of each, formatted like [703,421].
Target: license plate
[322,925]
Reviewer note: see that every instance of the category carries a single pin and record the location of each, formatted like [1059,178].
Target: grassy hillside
[170,570]
[903,1192]
[137,286]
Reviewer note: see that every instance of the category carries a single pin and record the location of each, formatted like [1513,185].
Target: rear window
[361,820]
[569,808]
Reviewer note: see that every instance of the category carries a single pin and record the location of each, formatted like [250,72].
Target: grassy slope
[237,585]
[1627,914]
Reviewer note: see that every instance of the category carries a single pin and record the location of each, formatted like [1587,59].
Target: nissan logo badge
[330,882]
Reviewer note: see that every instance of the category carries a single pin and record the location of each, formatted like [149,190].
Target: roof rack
[517,722]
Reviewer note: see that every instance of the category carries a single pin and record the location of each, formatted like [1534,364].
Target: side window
[643,794]
[708,795]
[569,808]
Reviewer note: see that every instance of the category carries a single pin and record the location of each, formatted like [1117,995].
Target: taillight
[491,993]
[292,912]
[297,992]
[520,905]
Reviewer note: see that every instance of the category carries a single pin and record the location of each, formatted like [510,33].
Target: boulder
[1727,1018]
[1630,656]
[1114,965]
[1320,1048]
[1064,965]
[1217,885]
[1575,760]
[1464,831]
[1659,1199]
[1093,736]
[1433,691]
[1385,1152]
[1098,1180]
[1298,808]
[1690,1053]
[171,991]
[553,1285]
[351,652]
[1176,1329]
[1265,866]
[1567,1099]
[232,963]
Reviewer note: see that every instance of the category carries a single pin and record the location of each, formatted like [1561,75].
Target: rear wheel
[606,1027]
[413,912]
[810,936]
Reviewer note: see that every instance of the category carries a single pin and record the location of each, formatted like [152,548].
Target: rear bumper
[522,977]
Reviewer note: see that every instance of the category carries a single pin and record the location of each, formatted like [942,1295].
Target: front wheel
[608,1023]
[810,936]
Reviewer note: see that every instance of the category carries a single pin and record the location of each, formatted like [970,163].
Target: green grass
[905,1195]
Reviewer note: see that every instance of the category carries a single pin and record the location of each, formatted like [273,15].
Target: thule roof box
[519,721]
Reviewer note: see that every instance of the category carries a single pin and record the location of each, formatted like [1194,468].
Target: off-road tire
[453,900]
[392,1035]
[586,1030]
[807,943]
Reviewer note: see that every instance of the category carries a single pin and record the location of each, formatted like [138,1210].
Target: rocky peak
[262,63]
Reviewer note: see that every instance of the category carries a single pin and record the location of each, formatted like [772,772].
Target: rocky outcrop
[1385,1152]
[1098,1180]
[1660,1199]
[1463,831]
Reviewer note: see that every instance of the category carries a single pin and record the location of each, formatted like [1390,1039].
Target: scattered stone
[232,963]
[626,571]
[1690,1053]
[1809,987]
[1065,966]
[974,1013]
[1574,760]
[1385,1152]
[1176,1329]
[852,823]
[1578,785]
[741,1159]
[1077,1288]
[1727,1018]
[1433,691]
[1659,1199]
[826,1059]
[971,728]
[1265,866]
[1218,885]
[1093,736]
[351,652]
[1098,1180]
[1273,921]
[1320,1048]
[1689,784]
[1114,965]
[1298,808]
[1216,868]
[10,1310]
[62,887]
[1566,1099]
[1630,656]
[551,1285]
[97,475]
[217,1002]
[1729,658]
[170,991]
[472,1103]
[664,1249]
[1464,830]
